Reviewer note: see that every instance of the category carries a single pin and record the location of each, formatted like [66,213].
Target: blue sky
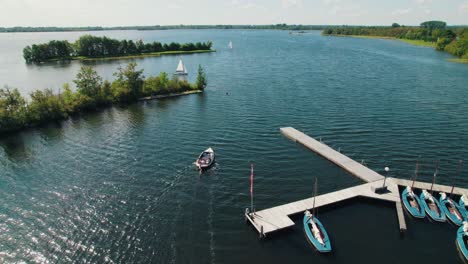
[160,12]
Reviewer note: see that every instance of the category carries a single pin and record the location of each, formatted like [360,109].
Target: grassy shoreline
[459,60]
[133,56]
[162,96]
[421,43]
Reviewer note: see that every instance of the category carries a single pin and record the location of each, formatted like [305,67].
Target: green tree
[12,110]
[45,106]
[130,80]
[433,25]
[88,82]
[395,25]
[202,81]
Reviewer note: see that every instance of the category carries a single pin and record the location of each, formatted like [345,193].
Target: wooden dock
[427,186]
[277,218]
[348,164]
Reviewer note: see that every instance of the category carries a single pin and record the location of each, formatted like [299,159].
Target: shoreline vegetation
[433,34]
[135,56]
[421,43]
[89,47]
[158,27]
[92,94]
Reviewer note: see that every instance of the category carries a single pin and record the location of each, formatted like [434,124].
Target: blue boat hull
[462,207]
[415,212]
[307,228]
[461,243]
[434,215]
[445,204]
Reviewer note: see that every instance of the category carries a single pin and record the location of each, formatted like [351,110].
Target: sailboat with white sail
[181,70]
[230,45]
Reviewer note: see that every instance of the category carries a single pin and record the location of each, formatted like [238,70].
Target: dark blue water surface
[119,186]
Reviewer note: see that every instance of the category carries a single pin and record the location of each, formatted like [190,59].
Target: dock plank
[351,166]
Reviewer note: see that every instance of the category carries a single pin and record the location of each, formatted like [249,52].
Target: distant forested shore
[156,27]
[93,47]
[453,40]
[92,93]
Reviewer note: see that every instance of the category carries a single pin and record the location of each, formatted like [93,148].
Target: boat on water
[230,45]
[314,230]
[412,203]
[454,212]
[431,205]
[181,70]
[411,200]
[463,203]
[462,237]
[206,159]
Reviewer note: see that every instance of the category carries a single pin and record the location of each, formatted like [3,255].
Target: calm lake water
[119,186]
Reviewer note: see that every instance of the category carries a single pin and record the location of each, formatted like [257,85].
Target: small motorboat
[451,209]
[412,203]
[316,233]
[432,207]
[206,159]
[462,237]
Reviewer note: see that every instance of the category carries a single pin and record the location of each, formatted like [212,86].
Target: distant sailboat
[230,45]
[181,70]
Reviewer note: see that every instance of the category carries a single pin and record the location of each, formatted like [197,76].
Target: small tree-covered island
[92,93]
[453,40]
[90,47]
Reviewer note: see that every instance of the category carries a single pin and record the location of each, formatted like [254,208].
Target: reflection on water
[119,185]
[14,147]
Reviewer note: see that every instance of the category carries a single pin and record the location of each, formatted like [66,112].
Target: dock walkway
[277,218]
[348,164]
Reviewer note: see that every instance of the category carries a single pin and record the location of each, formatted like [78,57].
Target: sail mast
[415,173]
[315,194]
[435,175]
[460,162]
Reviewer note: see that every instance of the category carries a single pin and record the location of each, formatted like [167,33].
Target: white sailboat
[181,70]
[230,45]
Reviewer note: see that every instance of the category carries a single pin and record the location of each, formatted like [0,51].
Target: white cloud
[400,12]
[291,3]
[464,8]
[246,4]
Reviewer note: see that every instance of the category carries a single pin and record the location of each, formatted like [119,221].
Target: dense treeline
[91,93]
[96,47]
[156,27]
[452,40]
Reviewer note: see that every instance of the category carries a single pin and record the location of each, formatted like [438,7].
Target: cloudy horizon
[236,12]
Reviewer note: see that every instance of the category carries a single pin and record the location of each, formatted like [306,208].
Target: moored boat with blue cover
[412,203]
[432,207]
[430,204]
[316,233]
[462,237]
[314,230]
[453,211]
[463,202]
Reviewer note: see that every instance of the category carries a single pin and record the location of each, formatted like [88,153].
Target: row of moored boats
[442,209]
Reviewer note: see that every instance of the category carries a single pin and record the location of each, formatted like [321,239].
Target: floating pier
[348,164]
[277,218]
